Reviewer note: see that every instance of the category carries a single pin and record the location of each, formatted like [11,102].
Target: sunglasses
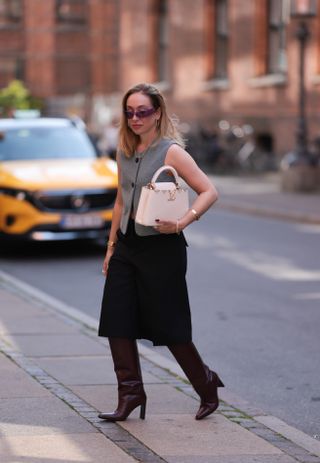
[140,113]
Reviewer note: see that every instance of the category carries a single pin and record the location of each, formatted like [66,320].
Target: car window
[44,143]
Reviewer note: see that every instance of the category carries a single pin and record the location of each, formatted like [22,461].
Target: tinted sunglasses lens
[129,114]
[140,113]
[145,112]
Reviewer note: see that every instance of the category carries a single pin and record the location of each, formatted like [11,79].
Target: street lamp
[302,10]
[298,173]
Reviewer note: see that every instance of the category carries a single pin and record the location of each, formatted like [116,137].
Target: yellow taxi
[53,186]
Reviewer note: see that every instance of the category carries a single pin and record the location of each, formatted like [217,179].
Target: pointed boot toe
[210,402]
[125,408]
[110,417]
[204,381]
[206,409]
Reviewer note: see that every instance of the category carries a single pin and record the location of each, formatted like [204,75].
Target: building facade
[231,60]
[65,51]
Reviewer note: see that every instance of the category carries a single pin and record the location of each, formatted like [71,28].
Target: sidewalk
[261,195]
[55,374]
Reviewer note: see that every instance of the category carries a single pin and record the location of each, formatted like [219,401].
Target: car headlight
[19,194]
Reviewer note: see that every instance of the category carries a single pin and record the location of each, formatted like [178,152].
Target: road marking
[307,296]
[307,228]
[273,267]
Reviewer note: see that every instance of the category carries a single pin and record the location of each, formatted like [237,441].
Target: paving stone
[308,458]
[246,423]
[237,402]
[39,417]
[69,448]
[47,382]
[278,426]
[39,324]
[215,436]
[233,414]
[231,459]
[162,398]
[14,382]
[83,370]
[55,345]
[12,306]
[225,408]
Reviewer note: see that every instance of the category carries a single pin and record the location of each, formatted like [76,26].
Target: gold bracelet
[111,244]
[177,228]
[195,213]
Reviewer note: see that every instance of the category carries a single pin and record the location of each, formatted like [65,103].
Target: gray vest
[137,172]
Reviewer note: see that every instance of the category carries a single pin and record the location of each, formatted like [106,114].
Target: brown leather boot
[204,381]
[131,393]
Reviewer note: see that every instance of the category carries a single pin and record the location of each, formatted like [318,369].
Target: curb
[289,439]
[239,207]
[261,210]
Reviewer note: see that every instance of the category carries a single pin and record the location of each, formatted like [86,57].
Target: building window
[217,38]
[276,46]
[160,40]
[11,68]
[163,41]
[10,11]
[221,39]
[72,75]
[71,11]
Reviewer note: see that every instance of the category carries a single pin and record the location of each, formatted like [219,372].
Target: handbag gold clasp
[172,195]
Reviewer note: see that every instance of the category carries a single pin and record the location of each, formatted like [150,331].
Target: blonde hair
[166,125]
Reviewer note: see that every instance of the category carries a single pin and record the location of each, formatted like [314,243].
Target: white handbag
[162,200]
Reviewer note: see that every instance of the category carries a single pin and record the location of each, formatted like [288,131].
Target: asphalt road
[255,295]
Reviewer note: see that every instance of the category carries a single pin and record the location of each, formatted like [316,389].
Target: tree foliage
[17,96]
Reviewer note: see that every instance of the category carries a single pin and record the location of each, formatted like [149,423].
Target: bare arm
[115,224]
[197,180]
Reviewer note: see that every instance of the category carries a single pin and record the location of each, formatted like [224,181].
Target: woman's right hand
[107,258]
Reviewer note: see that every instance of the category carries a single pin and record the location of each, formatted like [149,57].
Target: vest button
[132,184]
[137,159]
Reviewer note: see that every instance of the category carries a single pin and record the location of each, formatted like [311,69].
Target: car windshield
[44,143]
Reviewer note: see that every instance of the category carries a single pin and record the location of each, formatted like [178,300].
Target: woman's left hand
[166,226]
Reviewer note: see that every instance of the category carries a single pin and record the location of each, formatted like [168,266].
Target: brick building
[64,50]
[235,60]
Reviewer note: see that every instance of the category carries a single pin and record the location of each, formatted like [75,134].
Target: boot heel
[220,383]
[143,411]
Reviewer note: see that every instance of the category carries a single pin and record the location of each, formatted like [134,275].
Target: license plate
[82,221]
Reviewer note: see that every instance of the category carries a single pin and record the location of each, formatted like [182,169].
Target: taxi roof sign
[26,113]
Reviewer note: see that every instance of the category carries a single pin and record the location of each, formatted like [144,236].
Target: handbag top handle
[162,169]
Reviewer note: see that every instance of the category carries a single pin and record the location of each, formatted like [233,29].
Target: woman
[145,294]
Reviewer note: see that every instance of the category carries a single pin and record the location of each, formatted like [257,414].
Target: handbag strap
[163,169]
